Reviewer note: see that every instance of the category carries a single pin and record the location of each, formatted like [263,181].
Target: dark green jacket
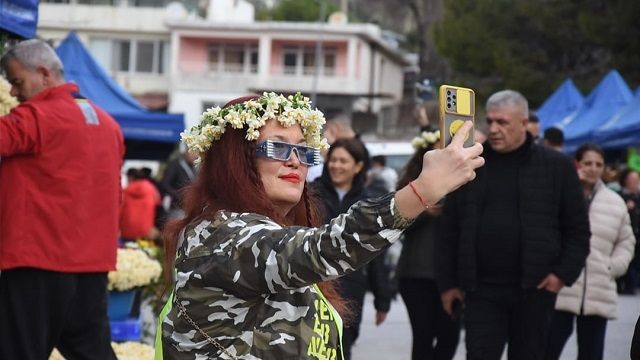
[248,282]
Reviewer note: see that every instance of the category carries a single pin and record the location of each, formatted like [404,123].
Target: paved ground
[392,339]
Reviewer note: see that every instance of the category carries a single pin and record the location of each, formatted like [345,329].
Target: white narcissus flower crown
[253,114]
[425,139]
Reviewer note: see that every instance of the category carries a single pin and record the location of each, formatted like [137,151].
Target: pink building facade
[213,63]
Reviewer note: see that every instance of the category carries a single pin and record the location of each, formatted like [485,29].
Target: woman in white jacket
[592,298]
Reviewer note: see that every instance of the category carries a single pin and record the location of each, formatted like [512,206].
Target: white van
[397,153]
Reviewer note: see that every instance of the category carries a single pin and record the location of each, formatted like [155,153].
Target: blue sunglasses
[282,151]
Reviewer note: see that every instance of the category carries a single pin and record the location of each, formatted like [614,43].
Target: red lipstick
[292,178]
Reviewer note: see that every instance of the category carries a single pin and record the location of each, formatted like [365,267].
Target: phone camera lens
[448,106]
[454,97]
[448,98]
[448,92]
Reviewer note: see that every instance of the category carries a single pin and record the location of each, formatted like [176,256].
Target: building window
[253,60]
[309,61]
[233,58]
[145,56]
[290,60]
[301,60]
[121,56]
[329,58]
[163,57]
[133,56]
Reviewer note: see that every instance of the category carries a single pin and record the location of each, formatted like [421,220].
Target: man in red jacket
[59,199]
[138,211]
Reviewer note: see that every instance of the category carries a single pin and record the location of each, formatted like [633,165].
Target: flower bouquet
[132,350]
[134,269]
[7,102]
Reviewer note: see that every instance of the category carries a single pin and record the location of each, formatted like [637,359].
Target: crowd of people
[147,203]
[274,238]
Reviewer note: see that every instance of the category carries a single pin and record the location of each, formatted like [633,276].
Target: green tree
[615,25]
[533,45]
[300,10]
[425,14]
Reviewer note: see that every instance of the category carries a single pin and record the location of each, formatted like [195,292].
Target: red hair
[228,179]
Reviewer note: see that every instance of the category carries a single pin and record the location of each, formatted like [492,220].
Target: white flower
[324,144]
[425,139]
[133,268]
[252,134]
[254,105]
[233,118]
[7,102]
[131,350]
[252,115]
[417,143]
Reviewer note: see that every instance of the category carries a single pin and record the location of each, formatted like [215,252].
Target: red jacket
[59,184]
[138,212]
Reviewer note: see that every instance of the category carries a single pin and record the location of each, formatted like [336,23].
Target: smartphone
[457,105]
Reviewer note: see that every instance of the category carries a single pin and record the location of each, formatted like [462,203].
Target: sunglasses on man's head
[282,151]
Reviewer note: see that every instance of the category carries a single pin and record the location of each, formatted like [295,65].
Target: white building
[128,38]
[197,62]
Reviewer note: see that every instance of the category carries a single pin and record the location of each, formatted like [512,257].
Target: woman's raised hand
[447,169]
[443,171]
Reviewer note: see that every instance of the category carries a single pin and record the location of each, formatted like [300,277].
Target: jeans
[591,332]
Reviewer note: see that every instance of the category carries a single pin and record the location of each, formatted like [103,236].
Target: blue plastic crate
[126,330]
[120,304]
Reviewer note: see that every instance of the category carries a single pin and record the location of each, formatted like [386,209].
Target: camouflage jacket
[248,282]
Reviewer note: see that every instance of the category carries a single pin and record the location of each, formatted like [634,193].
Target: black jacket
[374,276]
[178,174]
[417,259]
[554,223]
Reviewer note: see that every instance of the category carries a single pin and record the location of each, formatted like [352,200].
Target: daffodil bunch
[7,102]
[425,139]
[133,350]
[252,115]
[133,268]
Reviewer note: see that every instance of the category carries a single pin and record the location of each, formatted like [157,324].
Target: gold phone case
[457,105]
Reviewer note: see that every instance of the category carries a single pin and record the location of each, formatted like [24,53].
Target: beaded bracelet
[424,203]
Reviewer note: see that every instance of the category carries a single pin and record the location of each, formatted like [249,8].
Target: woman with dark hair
[341,185]
[252,271]
[592,299]
[435,333]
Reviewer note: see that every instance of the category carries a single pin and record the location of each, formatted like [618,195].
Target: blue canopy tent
[136,122]
[608,97]
[623,129]
[565,101]
[19,17]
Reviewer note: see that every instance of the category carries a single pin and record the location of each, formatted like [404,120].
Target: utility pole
[318,57]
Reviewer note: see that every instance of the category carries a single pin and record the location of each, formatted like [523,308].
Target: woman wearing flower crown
[252,272]
[416,271]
